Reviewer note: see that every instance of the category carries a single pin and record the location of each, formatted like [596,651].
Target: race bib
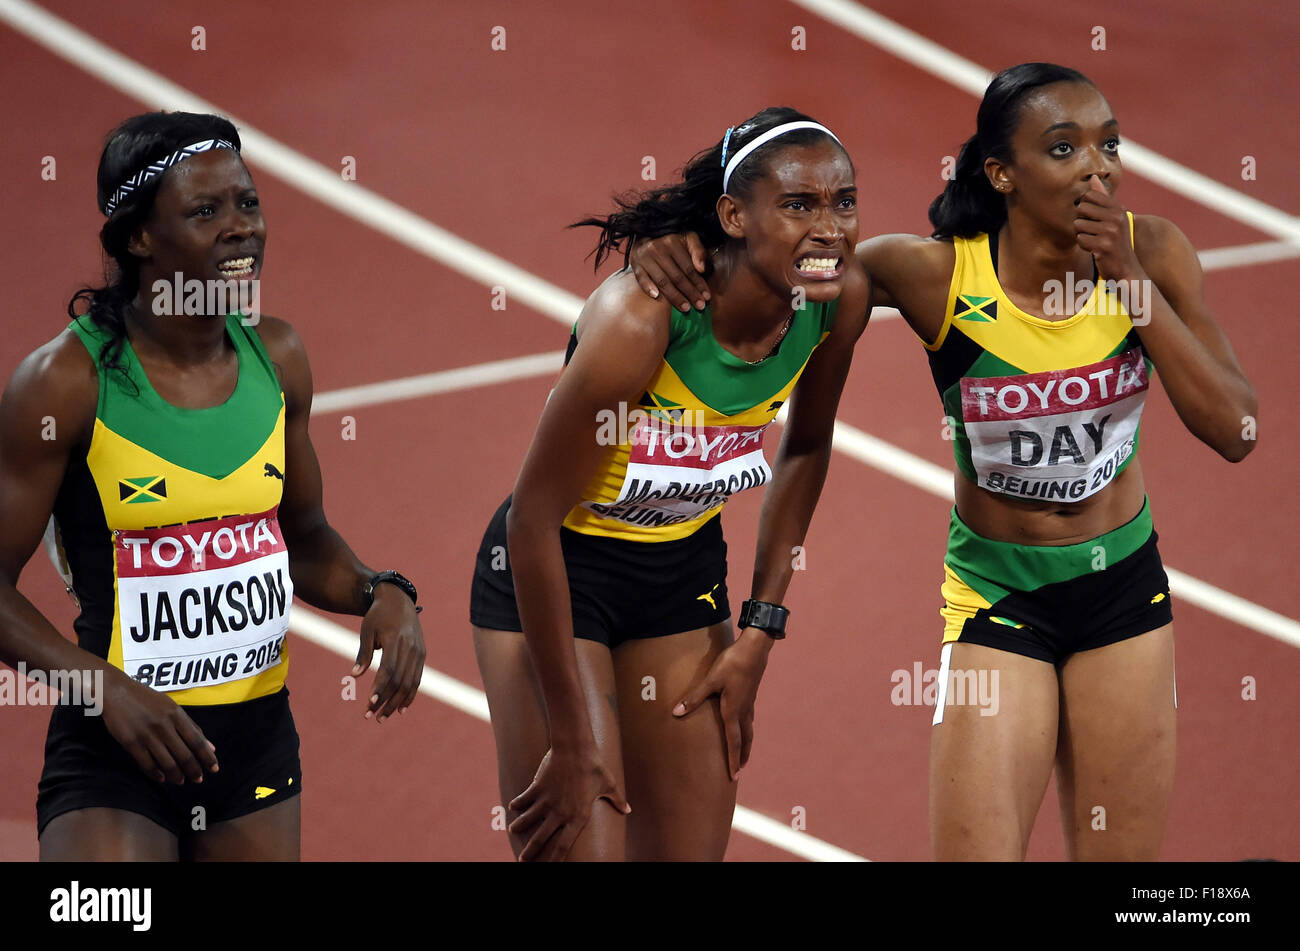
[204,603]
[1056,435]
[676,474]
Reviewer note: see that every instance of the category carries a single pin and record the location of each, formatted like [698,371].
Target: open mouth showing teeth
[822,267]
[237,267]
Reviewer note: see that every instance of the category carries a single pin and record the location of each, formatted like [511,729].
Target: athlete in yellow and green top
[170,532]
[599,602]
[186,504]
[1052,579]
[695,437]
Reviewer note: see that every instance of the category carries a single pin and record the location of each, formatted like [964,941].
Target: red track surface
[504,148]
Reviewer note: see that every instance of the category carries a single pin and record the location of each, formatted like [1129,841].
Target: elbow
[1242,433]
[523,523]
[1236,452]
[1238,442]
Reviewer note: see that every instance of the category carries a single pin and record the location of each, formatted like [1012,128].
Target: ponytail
[968,204]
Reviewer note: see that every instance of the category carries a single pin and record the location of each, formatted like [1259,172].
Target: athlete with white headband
[186,504]
[1054,593]
[600,603]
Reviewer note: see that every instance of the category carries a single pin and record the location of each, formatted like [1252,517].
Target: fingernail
[655,293]
[679,709]
[356,669]
[699,305]
[382,719]
[374,698]
[369,714]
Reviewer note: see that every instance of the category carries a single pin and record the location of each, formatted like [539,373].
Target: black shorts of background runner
[620,590]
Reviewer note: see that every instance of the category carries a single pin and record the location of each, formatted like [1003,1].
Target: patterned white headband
[763,139]
[154,169]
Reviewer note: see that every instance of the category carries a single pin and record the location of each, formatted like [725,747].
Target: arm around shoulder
[913,274]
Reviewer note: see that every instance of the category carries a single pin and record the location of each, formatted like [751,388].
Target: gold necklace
[779,337]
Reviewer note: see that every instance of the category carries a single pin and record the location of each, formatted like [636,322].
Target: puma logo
[708,596]
[273,471]
[776,404]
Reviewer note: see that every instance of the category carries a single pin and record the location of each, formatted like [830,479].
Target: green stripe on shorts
[993,569]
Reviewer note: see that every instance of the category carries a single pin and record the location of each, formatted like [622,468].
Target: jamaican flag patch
[146,489]
[982,310]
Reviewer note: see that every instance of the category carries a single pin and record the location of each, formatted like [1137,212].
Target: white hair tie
[766,137]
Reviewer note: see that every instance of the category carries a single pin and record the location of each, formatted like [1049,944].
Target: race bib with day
[676,474]
[202,603]
[1062,434]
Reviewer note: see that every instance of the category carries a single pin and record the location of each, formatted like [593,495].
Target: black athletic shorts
[257,760]
[620,590]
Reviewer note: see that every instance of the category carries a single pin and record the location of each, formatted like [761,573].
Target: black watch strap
[390,577]
[765,616]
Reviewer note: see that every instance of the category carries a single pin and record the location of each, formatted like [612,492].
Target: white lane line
[441,381]
[942,62]
[1241,255]
[423,236]
[342,641]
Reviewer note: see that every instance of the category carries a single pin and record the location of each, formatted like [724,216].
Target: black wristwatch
[765,616]
[391,577]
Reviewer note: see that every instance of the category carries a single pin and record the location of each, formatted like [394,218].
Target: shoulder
[619,311]
[1164,252]
[57,379]
[906,254]
[1156,236]
[289,357]
[280,339]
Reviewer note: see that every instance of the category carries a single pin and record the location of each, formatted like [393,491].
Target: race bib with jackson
[676,474]
[1062,434]
[202,603]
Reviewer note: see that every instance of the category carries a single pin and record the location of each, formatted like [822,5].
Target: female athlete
[186,502]
[625,684]
[1044,305]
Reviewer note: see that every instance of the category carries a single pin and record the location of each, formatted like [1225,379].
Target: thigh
[273,834]
[106,835]
[519,725]
[991,753]
[681,795]
[1117,747]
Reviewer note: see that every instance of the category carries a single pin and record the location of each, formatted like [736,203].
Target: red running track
[504,148]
